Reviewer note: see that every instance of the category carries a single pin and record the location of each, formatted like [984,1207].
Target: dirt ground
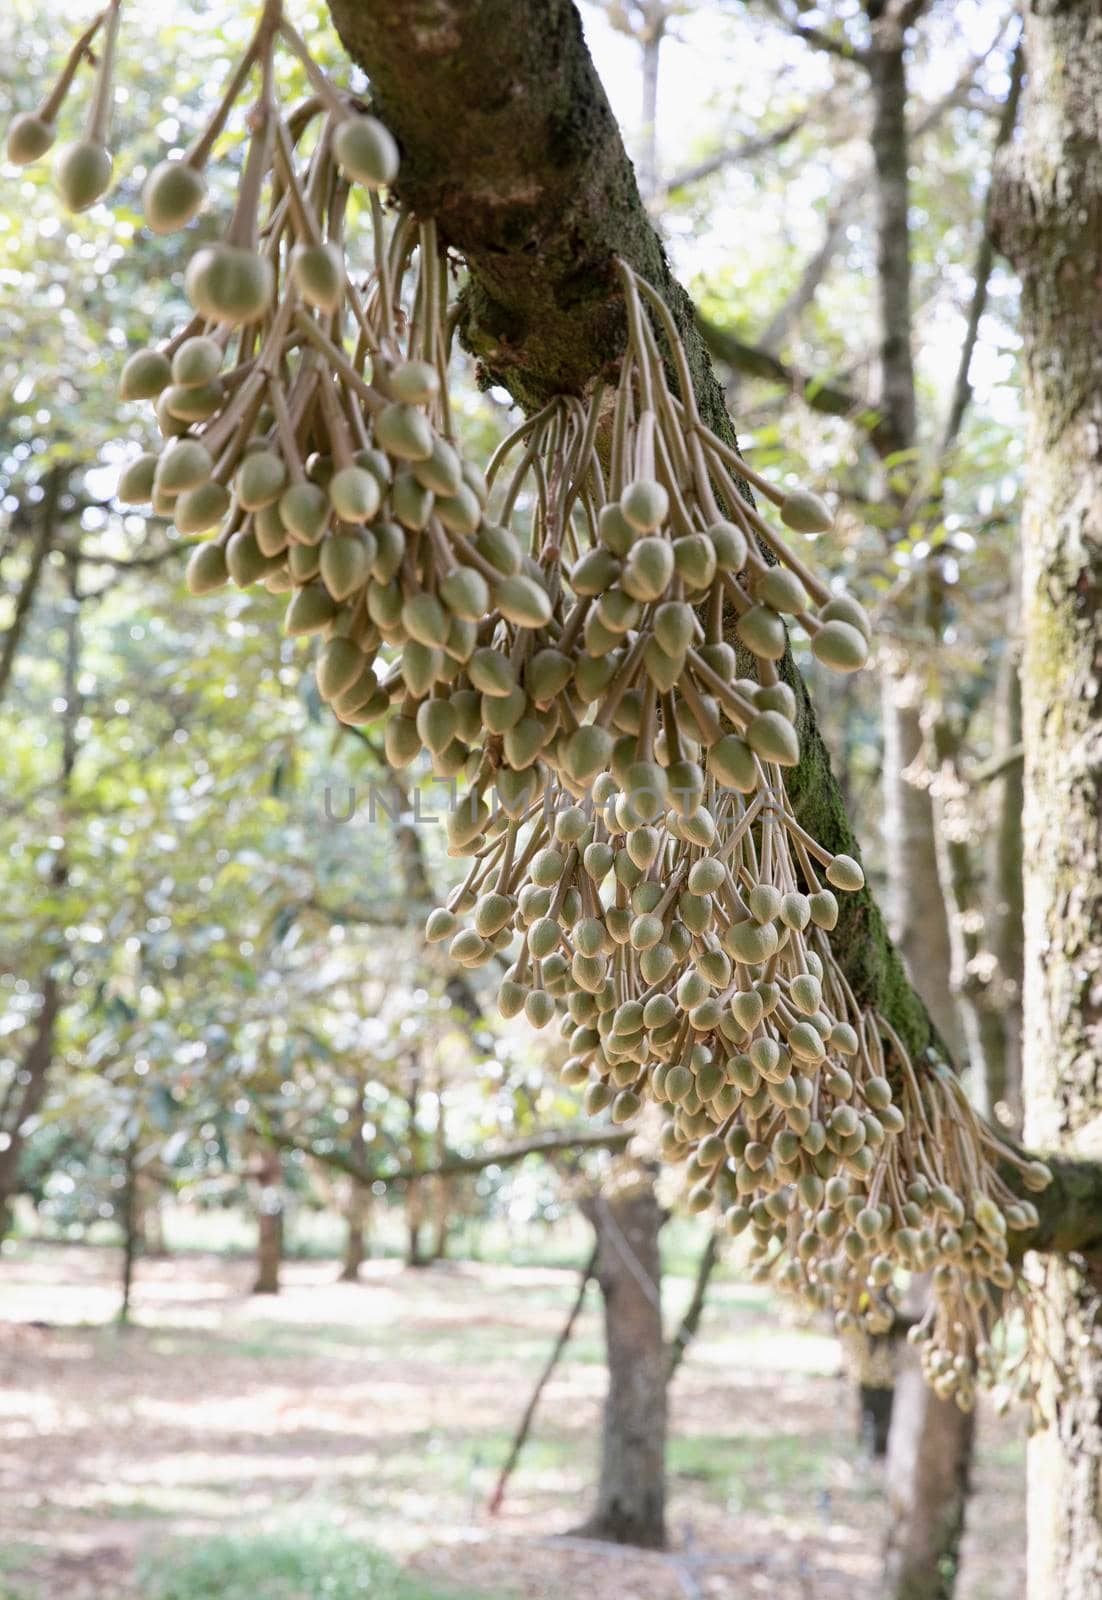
[384,1408]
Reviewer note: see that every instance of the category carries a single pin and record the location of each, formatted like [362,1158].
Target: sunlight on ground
[379,1413]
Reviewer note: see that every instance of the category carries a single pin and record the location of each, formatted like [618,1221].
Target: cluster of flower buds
[592,634]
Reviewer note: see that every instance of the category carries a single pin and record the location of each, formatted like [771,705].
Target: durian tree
[1049,222]
[590,628]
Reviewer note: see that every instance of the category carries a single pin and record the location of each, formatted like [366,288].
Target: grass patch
[13,1557]
[323,1565]
[759,1471]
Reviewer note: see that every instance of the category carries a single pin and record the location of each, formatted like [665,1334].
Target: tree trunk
[415,1188]
[131,1231]
[652,31]
[442,1186]
[1001,1011]
[888,76]
[868,1360]
[916,905]
[24,1095]
[148,1220]
[269,1242]
[442,1200]
[929,1510]
[1050,224]
[358,1200]
[27,1086]
[415,1216]
[355,1244]
[44,534]
[631,1496]
[930,1448]
[961,892]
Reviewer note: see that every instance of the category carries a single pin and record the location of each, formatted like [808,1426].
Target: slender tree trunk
[929,1453]
[631,1496]
[442,1186]
[525,1425]
[927,1448]
[148,1221]
[869,1362]
[269,1240]
[356,1204]
[415,1216]
[689,1326]
[1050,224]
[959,881]
[890,153]
[916,906]
[415,1188]
[131,1231]
[355,1223]
[442,1198]
[24,1095]
[1001,1010]
[652,31]
[984,907]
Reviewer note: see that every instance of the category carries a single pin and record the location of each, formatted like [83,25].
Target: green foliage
[322,1564]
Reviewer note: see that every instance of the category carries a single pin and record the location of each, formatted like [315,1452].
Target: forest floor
[257,1448]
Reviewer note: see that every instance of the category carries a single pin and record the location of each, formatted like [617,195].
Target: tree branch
[355,916]
[819,394]
[557,1141]
[690,1323]
[981,270]
[730,155]
[1000,763]
[829,43]
[420,895]
[845,204]
[130,563]
[816,267]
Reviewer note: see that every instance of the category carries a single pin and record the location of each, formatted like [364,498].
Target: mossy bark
[1050,224]
[507,139]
